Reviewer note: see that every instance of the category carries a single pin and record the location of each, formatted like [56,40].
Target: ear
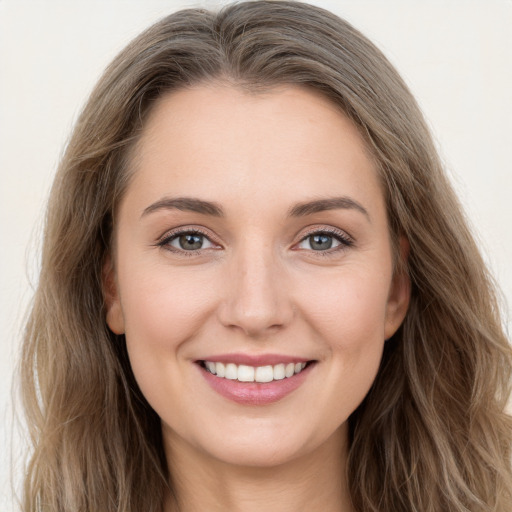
[114,312]
[399,293]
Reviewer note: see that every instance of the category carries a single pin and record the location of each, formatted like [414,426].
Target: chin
[262,444]
[252,456]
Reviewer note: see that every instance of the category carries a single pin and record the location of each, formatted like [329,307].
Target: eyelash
[344,240]
[165,241]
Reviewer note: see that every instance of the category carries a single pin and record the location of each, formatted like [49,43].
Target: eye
[187,241]
[322,241]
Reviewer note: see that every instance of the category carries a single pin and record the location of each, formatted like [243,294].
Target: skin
[256,286]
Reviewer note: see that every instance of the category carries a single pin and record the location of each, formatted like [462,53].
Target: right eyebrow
[186,204]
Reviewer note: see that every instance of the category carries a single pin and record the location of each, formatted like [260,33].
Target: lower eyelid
[176,238]
[339,243]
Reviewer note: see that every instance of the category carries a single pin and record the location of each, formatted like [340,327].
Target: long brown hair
[430,436]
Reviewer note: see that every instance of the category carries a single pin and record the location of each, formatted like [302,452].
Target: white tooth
[210,366]
[298,367]
[264,374]
[231,371]
[302,366]
[279,372]
[220,369]
[245,373]
[289,370]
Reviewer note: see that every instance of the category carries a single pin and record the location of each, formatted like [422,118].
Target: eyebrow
[191,204]
[321,205]
[186,204]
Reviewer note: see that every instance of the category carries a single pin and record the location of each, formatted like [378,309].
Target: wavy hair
[432,434]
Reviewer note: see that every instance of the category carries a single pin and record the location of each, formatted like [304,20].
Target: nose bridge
[256,296]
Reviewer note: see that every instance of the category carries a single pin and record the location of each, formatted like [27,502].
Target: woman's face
[252,241]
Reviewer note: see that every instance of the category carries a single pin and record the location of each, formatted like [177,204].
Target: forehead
[220,142]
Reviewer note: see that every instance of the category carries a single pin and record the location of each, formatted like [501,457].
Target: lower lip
[255,393]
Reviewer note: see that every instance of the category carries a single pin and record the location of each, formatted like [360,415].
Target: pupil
[321,242]
[190,242]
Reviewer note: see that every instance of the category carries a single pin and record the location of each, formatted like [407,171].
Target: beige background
[455,55]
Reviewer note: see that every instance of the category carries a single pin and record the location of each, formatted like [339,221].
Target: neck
[314,481]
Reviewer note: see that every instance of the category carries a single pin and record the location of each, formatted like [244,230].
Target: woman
[258,288]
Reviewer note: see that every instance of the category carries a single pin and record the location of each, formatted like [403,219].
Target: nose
[256,298]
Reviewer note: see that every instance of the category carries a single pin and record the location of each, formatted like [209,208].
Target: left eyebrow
[321,205]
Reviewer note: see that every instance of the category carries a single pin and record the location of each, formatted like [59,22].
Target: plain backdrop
[455,55]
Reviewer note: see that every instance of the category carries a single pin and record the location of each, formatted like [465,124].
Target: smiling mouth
[260,374]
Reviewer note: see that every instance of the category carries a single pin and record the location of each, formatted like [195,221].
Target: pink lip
[254,359]
[255,393]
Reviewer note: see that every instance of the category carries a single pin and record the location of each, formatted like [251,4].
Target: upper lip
[254,359]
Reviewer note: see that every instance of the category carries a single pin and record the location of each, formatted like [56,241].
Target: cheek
[163,303]
[348,316]
[348,307]
[163,309]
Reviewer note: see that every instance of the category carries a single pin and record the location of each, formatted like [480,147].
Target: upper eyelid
[329,230]
[171,233]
